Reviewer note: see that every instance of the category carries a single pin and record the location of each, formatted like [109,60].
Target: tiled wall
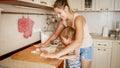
[10,38]
[96,20]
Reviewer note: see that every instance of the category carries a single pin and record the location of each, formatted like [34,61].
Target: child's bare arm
[71,57]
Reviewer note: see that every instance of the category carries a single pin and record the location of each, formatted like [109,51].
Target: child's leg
[74,63]
[86,55]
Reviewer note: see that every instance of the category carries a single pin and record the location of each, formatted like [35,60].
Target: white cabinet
[88,5]
[104,4]
[75,5]
[98,5]
[115,63]
[27,3]
[117,5]
[82,5]
[47,2]
[102,54]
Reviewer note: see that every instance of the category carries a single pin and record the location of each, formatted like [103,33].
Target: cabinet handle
[98,49]
[101,9]
[85,9]
[101,49]
[43,2]
[105,44]
[75,9]
[106,8]
[99,44]
[104,49]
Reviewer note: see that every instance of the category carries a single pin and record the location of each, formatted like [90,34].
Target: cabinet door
[88,5]
[102,54]
[101,58]
[75,4]
[115,63]
[117,5]
[47,2]
[104,4]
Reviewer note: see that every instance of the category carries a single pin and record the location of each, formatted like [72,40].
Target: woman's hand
[52,55]
[40,45]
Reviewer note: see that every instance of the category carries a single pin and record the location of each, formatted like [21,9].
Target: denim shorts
[85,54]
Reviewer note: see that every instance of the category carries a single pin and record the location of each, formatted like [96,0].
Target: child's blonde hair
[68,32]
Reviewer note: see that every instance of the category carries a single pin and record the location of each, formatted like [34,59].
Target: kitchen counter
[100,37]
[12,63]
[25,59]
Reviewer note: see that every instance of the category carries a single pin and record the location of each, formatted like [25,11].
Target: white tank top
[87,40]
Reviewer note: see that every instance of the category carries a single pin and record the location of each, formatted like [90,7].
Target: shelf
[26,4]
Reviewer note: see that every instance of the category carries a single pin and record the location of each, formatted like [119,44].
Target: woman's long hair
[61,4]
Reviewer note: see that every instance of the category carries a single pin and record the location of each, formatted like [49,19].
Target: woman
[82,41]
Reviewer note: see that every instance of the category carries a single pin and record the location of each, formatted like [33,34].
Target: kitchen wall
[10,38]
[96,20]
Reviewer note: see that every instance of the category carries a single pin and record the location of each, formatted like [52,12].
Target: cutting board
[26,55]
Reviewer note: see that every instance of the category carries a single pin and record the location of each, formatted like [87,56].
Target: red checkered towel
[25,26]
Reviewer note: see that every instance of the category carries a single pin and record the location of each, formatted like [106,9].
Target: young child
[67,35]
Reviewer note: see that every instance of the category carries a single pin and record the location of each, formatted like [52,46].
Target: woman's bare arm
[55,34]
[79,26]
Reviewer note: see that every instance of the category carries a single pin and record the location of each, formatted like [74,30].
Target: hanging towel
[25,26]
[22,22]
[0,12]
[29,27]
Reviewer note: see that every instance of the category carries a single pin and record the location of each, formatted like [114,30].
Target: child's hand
[67,57]
[62,58]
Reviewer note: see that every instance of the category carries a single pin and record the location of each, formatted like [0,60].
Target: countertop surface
[25,59]
[100,37]
[13,63]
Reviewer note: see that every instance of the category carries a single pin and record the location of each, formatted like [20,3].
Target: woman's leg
[86,56]
[86,64]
